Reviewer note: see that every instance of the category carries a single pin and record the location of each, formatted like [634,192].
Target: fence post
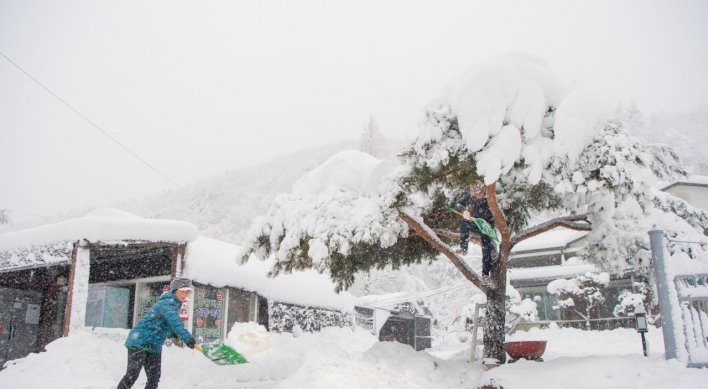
[656,239]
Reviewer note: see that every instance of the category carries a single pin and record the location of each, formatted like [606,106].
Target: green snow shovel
[481,224]
[221,354]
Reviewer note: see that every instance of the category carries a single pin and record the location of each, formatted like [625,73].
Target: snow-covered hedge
[283,317]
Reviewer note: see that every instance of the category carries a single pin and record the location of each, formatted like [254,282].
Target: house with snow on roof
[108,268]
[535,262]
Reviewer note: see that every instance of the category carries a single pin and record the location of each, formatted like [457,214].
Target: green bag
[222,354]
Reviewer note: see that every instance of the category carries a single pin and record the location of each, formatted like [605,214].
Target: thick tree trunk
[494,334]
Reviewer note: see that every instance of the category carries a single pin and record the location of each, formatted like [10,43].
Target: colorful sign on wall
[208,312]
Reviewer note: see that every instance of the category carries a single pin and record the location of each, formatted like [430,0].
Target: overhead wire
[91,123]
[446,288]
[25,213]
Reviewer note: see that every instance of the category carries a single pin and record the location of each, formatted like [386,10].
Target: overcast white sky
[202,87]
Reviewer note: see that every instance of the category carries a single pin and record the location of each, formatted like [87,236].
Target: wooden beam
[70,293]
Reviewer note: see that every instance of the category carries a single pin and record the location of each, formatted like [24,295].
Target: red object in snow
[527,349]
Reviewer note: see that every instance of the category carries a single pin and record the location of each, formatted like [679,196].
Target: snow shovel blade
[486,229]
[481,224]
[222,354]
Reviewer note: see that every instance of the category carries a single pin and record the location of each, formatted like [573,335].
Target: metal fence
[609,323]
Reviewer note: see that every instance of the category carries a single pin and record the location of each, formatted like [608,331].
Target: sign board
[208,312]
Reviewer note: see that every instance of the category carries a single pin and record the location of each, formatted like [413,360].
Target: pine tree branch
[429,236]
[440,175]
[569,222]
[450,234]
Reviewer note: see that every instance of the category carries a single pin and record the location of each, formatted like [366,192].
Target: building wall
[694,195]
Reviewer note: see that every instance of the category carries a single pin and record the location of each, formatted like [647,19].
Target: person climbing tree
[475,205]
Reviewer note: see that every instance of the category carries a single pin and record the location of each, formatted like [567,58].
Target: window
[242,307]
[544,302]
[147,295]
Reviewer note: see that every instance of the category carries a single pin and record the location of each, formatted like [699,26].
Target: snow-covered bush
[586,288]
[629,301]
[525,308]
[283,317]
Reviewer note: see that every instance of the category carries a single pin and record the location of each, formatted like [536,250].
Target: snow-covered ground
[342,358]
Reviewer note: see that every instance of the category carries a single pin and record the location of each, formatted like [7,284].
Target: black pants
[488,248]
[137,359]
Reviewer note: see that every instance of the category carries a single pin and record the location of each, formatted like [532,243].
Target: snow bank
[341,358]
[212,262]
[97,360]
[101,225]
[249,339]
[385,365]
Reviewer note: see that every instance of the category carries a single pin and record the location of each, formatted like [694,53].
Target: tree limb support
[451,235]
[429,236]
[569,222]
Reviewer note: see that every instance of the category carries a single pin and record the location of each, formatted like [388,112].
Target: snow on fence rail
[683,304]
[692,295]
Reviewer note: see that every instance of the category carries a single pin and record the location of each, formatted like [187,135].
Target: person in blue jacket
[145,340]
[475,205]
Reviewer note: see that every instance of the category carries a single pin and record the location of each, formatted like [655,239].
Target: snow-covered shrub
[515,305]
[284,316]
[586,288]
[629,301]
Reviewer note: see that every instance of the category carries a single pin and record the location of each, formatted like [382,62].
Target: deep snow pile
[97,360]
[340,357]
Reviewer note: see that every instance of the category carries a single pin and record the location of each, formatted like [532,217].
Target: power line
[25,213]
[90,122]
[446,288]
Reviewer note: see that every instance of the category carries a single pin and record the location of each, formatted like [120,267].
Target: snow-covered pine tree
[372,140]
[681,131]
[4,219]
[541,143]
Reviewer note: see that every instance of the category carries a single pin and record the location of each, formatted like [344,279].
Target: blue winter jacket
[160,322]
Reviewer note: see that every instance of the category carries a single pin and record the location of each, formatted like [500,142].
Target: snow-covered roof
[689,181]
[104,225]
[213,262]
[549,272]
[556,238]
[374,299]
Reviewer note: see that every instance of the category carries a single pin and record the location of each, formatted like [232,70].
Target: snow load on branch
[345,200]
[515,106]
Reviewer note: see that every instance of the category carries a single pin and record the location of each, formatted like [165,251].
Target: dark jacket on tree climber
[474,205]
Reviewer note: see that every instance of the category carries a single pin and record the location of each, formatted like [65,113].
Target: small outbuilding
[392,318]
